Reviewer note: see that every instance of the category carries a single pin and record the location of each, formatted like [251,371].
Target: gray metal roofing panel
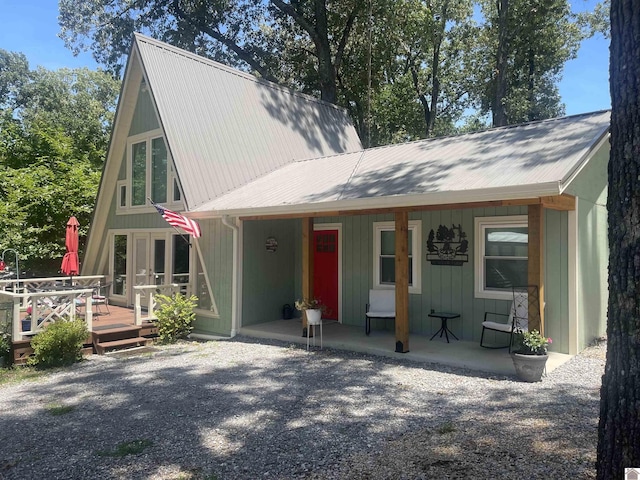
[538,153]
[225,128]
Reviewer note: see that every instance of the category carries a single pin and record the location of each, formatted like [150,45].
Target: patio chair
[99,298]
[517,318]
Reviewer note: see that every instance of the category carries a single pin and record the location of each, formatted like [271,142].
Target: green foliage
[174,316]
[54,131]
[531,343]
[60,343]
[55,409]
[134,447]
[5,347]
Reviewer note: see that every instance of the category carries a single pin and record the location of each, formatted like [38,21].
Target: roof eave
[518,192]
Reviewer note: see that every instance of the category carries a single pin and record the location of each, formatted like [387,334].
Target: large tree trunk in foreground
[619,428]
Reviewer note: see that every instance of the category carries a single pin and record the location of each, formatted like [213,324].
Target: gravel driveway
[248,409]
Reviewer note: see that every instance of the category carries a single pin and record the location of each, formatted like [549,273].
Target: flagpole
[182,235]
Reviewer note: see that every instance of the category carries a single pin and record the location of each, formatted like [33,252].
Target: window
[501,255]
[149,173]
[119,266]
[384,266]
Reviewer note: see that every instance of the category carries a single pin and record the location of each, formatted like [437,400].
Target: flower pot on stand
[529,368]
[314,318]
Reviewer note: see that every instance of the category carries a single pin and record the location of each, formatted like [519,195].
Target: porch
[461,354]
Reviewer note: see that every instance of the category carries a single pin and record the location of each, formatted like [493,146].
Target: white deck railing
[45,306]
[149,292]
[25,285]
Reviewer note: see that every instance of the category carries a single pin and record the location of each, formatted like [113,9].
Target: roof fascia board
[117,146]
[600,141]
[520,192]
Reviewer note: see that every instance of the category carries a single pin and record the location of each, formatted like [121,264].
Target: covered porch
[458,354]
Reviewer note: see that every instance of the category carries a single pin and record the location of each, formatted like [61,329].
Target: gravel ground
[248,409]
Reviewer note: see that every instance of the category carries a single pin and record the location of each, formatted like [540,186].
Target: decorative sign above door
[448,246]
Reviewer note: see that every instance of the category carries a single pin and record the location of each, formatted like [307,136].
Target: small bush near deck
[5,349]
[174,316]
[60,343]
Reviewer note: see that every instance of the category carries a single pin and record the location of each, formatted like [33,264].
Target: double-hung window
[501,260]
[384,255]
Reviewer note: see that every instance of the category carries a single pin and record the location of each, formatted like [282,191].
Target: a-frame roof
[521,161]
[225,128]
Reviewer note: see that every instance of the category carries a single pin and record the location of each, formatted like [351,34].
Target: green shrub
[174,316]
[60,343]
[5,348]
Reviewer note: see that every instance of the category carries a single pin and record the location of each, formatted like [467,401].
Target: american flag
[180,221]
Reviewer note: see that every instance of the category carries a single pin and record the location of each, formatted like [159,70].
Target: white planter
[314,316]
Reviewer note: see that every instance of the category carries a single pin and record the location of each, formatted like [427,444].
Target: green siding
[216,244]
[556,279]
[268,277]
[593,248]
[144,116]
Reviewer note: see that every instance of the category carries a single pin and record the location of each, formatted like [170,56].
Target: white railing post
[88,312]
[16,322]
[151,303]
[138,310]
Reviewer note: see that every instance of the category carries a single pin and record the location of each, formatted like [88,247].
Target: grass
[446,427]
[57,409]
[134,447]
[18,374]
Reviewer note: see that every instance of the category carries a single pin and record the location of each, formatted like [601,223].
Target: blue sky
[31,27]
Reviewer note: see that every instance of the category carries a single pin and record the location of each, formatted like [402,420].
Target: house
[291,205]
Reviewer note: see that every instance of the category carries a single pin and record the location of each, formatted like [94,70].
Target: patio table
[444,329]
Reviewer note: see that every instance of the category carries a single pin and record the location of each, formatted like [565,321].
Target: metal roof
[225,128]
[522,161]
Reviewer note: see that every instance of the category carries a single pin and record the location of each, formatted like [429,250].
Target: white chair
[382,304]
[314,318]
[517,318]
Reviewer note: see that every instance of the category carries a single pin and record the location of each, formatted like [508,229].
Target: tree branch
[242,54]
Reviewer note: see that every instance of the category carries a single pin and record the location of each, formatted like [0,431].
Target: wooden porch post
[307,266]
[402,282]
[536,265]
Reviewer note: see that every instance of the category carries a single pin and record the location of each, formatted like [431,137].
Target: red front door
[325,270]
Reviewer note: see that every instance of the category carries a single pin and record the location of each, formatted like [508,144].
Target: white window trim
[480,224]
[415,230]
[147,137]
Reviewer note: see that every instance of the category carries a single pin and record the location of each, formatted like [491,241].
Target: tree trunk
[500,82]
[619,427]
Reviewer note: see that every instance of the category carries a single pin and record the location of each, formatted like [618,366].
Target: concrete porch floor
[462,354]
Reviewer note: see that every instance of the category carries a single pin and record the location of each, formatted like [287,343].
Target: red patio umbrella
[70,262]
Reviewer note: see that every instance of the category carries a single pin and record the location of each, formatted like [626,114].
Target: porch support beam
[536,263]
[402,282]
[307,266]
[555,202]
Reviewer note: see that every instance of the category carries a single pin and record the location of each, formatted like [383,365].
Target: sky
[31,27]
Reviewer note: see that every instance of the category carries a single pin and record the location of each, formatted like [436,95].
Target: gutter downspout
[234,276]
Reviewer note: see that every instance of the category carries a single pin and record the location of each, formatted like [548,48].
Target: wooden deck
[112,329]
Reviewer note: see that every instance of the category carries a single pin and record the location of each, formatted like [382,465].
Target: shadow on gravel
[290,414]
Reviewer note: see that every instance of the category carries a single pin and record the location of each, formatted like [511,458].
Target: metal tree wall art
[448,246]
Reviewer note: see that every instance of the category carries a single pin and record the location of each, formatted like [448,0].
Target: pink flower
[549,340]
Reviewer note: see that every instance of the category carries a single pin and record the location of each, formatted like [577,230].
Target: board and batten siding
[216,244]
[590,186]
[268,277]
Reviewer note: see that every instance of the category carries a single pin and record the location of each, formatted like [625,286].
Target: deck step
[127,329]
[102,347]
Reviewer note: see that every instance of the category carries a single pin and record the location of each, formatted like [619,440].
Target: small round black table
[444,316]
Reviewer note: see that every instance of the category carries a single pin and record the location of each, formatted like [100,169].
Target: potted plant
[530,356]
[313,309]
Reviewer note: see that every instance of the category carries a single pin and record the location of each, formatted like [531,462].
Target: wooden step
[149,330]
[102,347]
[112,334]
